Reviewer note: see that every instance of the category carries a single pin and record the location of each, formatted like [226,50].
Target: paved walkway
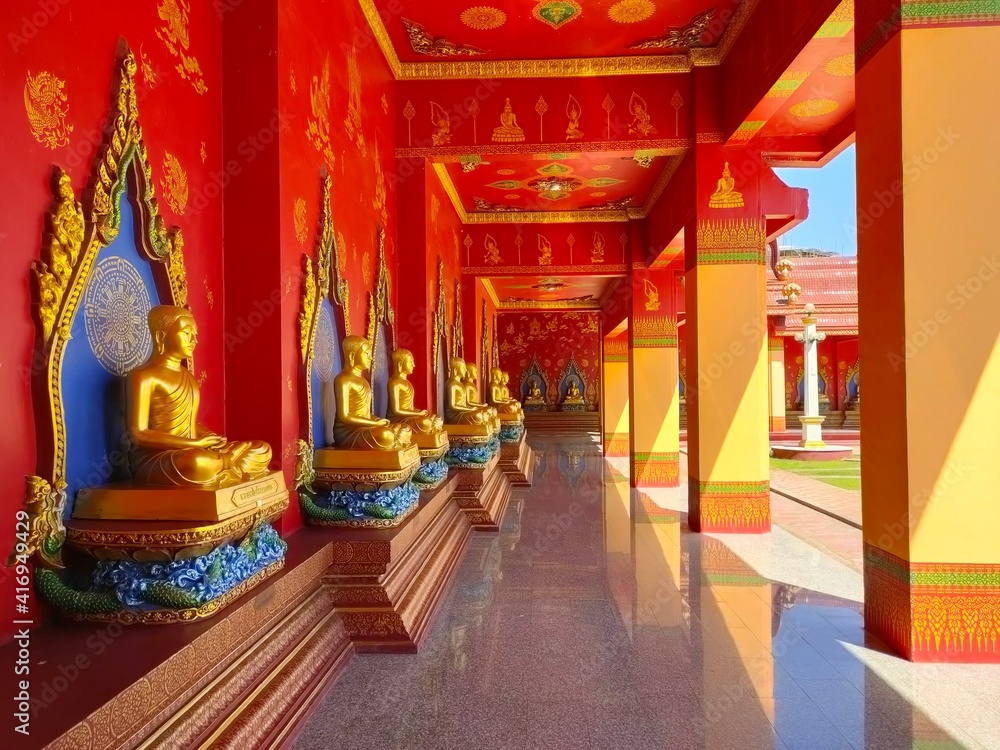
[840,503]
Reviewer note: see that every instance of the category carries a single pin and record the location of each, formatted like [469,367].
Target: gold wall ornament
[496,339]
[352,122]
[813,108]
[607,105]
[440,320]
[483,18]
[46,105]
[458,326]
[473,110]
[148,71]
[73,239]
[631,11]
[209,297]
[597,249]
[441,122]
[318,126]
[677,101]
[557,13]
[173,32]
[203,152]
[307,314]
[541,107]
[293,84]
[544,251]
[380,309]
[571,241]
[174,183]
[725,195]
[379,197]
[573,113]
[641,122]
[300,221]
[366,268]
[492,250]
[409,112]
[644,158]
[435,208]
[508,131]
[652,295]
[684,37]
[424,43]
[484,354]
[731,241]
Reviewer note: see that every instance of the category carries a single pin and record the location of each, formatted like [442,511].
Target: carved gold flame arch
[75,233]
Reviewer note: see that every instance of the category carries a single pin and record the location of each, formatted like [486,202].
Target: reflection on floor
[595,619]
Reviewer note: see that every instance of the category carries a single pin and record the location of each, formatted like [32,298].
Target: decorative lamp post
[812,422]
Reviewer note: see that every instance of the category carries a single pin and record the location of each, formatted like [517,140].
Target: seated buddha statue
[573,395]
[725,195]
[535,396]
[472,392]
[354,426]
[401,410]
[457,410]
[499,398]
[509,131]
[167,445]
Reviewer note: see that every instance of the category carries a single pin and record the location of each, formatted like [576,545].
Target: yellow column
[615,394]
[930,315]
[776,375]
[727,363]
[653,402]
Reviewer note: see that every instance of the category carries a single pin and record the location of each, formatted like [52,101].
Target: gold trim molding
[609,269]
[662,147]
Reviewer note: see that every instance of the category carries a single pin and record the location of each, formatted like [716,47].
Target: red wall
[551,338]
[76,42]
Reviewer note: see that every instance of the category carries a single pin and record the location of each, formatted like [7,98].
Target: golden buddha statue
[457,410]
[508,132]
[725,195]
[573,395]
[472,394]
[535,396]
[427,429]
[168,446]
[354,427]
[508,409]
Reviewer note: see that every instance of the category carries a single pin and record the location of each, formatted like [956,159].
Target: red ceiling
[586,180]
[517,32]
[824,94]
[512,288]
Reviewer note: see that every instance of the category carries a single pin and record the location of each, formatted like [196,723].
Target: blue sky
[832,222]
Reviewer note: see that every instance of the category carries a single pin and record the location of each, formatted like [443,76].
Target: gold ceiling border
[550,304]
[451,191]
[315,288]
[524,270]
[547,217]
[491,292]
[708,56]
[662,147]
[380,299]
[75,232]
[567,68]
[440,321]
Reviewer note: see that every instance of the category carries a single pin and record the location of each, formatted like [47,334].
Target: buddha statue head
[471,373]
[403,362]
[496,376]
[357,353]
[174,332]
[457,367]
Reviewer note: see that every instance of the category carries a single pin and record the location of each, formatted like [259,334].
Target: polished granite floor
[595,619]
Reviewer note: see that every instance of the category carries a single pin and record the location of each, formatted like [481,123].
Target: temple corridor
[596,619]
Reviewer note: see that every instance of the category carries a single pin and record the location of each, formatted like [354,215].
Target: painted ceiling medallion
[602,167]
[554,169]
[483,18]
[505,185]
[557,13]
[505,172]
[484,205]
[435,46]
[814,108]
[631,11]
[842,66]
[682,38]
[598,194]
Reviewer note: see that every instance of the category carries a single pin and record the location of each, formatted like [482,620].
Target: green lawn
[844,474]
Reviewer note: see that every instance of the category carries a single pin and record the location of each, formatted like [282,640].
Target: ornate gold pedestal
[432,447]
[364,471]
[387,584]
[124,502]
[483,495]
[517,461]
